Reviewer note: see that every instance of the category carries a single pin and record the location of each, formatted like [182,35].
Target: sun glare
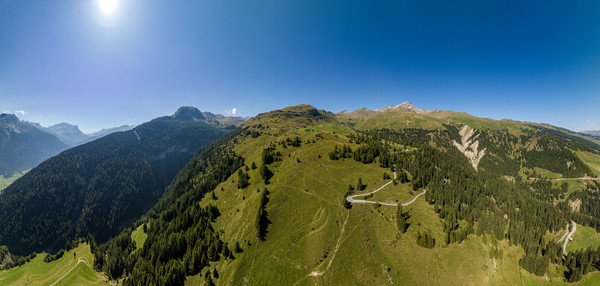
[108,6]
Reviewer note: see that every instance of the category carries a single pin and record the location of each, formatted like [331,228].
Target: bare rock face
[469,145]
[405,106]
[5,257]
[575,205]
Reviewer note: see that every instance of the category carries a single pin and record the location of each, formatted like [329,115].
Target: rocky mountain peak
[9,118]
[405,106]
[188,113]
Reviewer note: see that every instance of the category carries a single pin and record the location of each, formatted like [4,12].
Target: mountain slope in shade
[23,146]
[98,187]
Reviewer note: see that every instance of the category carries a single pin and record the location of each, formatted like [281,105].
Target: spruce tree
[401,220]
[359,185]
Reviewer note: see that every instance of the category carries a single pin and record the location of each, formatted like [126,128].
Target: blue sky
[65,61]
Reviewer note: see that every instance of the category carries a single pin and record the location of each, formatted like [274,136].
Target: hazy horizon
[86,131]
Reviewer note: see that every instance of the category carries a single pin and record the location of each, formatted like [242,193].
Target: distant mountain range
[72,135]
[406,106]
[105,131]
[65,132]
[24,146]
[592,132]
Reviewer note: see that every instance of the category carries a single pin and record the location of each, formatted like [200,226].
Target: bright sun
[108,6]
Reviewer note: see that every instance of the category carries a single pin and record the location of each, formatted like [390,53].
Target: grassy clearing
[543,173]
[65,271]
[399,193]
[329,127]
[547,174]
[139,236]
[572,186]
[591,160]
[584,237]
[5,182]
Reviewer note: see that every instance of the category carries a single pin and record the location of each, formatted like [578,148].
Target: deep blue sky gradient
[64,61]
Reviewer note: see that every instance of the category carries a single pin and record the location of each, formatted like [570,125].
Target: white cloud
[232,111]
[22,112]
[592,124]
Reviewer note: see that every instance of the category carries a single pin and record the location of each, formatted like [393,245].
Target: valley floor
[5,182]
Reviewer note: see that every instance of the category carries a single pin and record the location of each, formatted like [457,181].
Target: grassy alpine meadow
[591,160]
[583,238]
[398,193]
[139,236]
[71,269]
[313,239]
[334,128]
[546,174]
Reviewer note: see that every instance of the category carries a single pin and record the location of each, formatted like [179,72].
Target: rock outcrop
[469,145]
[405,106]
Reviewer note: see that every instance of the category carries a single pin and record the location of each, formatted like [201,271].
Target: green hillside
[73,268]
[583,238]
[280,185]
[309,239]
[268,204]
[311,231]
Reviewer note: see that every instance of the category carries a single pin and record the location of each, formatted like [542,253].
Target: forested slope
[99,187]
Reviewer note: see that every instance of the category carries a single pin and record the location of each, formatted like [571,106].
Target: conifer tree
[401,220]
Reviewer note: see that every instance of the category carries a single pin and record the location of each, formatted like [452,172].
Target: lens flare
[108,6]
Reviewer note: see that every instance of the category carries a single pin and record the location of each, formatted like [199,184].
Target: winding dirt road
[582,178]
[568,237]
[352,200]
[564,235]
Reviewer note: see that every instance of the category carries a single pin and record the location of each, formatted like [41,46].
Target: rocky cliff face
[469,145]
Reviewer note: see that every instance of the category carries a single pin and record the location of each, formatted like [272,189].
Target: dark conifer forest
[99,187]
